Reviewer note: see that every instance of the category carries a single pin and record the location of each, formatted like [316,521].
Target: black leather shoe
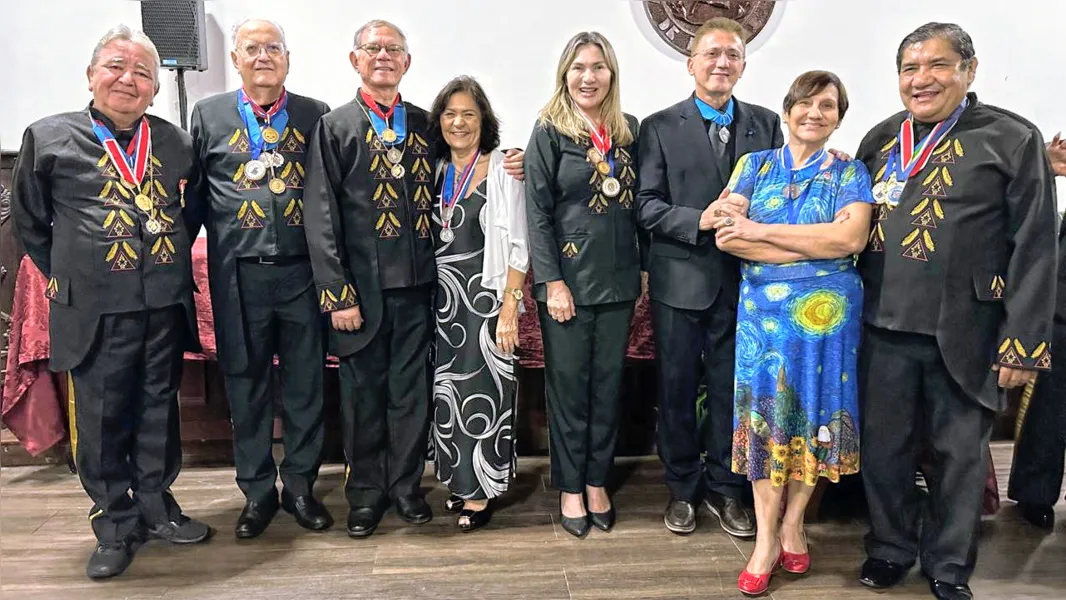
[880,574]
[255,518]
[680,517]
[309,512]
[603,521]
[182,531]
[413,509]
[475,519]
[109,560]
[363,520]
[576,526]
[1038,514]
[950,591]
[735,518]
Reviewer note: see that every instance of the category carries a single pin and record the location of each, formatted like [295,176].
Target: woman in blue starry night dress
[799,321]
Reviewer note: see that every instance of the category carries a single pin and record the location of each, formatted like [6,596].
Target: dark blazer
[83,231]
[969,253]
[365,226]
[576,233]
[234,227]
[678,179]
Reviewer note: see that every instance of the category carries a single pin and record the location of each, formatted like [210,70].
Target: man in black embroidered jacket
[109,236]
[959,294]
[250,146]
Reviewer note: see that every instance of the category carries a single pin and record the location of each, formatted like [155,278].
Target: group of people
[791,278]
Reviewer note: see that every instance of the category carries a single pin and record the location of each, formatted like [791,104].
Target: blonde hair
[561,112]
[720,24]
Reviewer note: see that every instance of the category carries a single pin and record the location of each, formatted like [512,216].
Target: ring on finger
[729,222]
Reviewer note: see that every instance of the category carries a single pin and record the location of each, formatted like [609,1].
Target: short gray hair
[237,29]
[374,24]
[125,33]
[960,41]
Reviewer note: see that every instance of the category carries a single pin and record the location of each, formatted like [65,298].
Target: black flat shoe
[454,504]
[1039,515]
[880,574]
[603,521]
[255,518]
[949,591]
[309,512]
[476,519]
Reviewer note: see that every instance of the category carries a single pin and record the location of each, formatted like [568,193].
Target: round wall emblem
[675,22]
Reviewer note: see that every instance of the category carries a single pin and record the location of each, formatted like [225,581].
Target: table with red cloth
[31,406]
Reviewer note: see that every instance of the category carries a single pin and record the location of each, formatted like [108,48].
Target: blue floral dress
[796,406]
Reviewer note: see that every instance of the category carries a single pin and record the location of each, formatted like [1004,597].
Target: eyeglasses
[273,49]
[715,54]
[374,49]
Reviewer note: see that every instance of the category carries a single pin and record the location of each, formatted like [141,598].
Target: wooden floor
[45,542]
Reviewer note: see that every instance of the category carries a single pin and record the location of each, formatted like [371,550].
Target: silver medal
[394,155]
[723,134]
[255,170]
[277,160]
[447,235]
[153,226]
[611,187]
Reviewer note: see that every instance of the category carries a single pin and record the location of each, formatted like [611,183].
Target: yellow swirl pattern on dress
[820,312]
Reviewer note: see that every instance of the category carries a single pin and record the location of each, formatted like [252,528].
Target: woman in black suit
[580,184]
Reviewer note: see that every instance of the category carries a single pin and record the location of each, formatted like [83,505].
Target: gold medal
[153,226]
[398,171]
[271,135]
[277,185]
[143,202]
[611,187]
[603,168]
[129,184]
[594,156]
[389,136]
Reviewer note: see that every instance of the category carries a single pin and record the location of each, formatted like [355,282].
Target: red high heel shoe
[750,584]
[797,564]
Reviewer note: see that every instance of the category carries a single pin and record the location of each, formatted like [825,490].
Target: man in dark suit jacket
[958,277]
[687,155]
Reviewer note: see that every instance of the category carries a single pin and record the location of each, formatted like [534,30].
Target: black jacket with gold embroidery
[83,231]
[367,230]
[243,218]
[576,232]
[969,253]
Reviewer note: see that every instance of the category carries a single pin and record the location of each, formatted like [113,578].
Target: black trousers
[685,342]
[1036,474]
[911,402]
[127,443]
[583,362]
[281,317]
[385,400]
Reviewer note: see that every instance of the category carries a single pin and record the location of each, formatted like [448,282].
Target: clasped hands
[728,217]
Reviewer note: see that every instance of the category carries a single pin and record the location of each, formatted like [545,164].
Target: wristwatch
[515,293]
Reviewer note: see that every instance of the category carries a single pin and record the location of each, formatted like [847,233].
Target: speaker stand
[183,100]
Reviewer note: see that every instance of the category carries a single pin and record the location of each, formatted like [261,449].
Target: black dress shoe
[182,531]
[255,518]
[950,591]
[680,517]
[309,512]
[413,509]
[603,521]
[363,520]
[454,504]
[109,560]
[576,526]
[880,574]
[1038,514]
[735,518]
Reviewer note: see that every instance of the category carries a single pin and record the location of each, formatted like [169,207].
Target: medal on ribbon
[392,134]
[265,138]
[131,164]
[602,158]
[721,118]
[905,160]
[452,193]
[793,191]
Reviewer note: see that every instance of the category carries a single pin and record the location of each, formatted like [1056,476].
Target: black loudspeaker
[178,28]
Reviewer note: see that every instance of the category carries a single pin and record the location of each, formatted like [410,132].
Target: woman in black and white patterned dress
[481,253]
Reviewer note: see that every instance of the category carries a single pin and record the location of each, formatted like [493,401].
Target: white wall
[512,48]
